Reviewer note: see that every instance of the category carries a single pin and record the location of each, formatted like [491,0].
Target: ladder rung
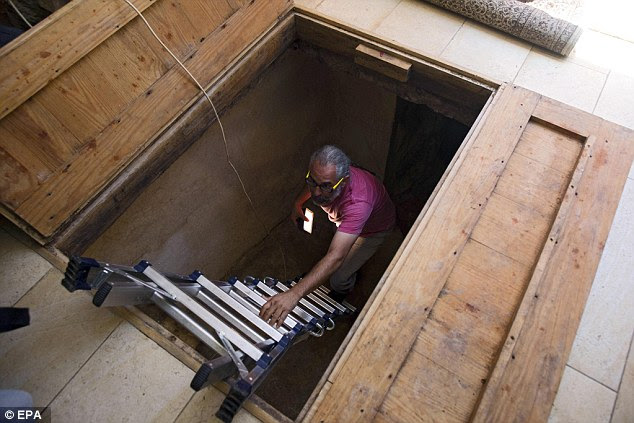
[233,320]
[303,301]
[318,301]
[298,311]
[246,313]
[260,301]
[234,337]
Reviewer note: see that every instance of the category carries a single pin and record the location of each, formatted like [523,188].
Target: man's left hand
[277,307]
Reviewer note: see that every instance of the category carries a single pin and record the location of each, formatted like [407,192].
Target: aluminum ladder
[222,314]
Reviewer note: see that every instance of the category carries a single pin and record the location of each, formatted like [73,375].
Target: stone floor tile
[129,378]
[486,51]
[624,407]
[616,101]
[20,269]
[561,79]
[581,400]
[361,13]
[308,3]
[603,339]
[611,17]
[421,27]
[204,404]
[603,53]
[65,330]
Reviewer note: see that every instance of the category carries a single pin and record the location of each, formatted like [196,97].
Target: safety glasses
[325,187]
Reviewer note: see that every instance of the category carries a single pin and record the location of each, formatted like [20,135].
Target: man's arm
[297,211]
[277,307]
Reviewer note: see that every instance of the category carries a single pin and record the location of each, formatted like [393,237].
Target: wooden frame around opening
[298,24]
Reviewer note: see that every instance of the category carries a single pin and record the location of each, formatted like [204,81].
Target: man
[357,202]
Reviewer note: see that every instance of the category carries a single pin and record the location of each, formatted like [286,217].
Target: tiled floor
[75,353]
[83,362]
[597,77]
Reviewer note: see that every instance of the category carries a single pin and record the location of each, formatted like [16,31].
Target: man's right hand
[298,213]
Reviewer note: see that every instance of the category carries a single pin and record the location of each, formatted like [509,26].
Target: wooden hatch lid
[477,316]
[89,88]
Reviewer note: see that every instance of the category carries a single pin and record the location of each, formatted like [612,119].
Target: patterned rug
[522,19]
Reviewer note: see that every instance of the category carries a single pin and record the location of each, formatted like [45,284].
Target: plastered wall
[196,216]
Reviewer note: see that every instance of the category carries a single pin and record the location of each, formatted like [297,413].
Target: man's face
[324,176]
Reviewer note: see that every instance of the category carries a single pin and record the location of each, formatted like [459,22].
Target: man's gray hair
[331,155]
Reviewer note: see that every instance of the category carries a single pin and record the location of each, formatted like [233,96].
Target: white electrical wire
[20,14]
[222,129]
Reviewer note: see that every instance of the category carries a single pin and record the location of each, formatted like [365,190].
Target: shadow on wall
[422,146]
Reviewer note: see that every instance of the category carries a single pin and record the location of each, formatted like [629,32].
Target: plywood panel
[204,15]
[36,139]
[61,195]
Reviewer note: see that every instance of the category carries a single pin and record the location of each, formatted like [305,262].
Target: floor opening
[195,216]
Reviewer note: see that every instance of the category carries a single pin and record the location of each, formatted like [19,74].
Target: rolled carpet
[520,20]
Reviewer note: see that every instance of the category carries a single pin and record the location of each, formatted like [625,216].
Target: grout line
[627,357]
[35,284]
[452,38]
[590,377]
[184,407]
[596,103]
[376,25]
[522,65]
[85,362]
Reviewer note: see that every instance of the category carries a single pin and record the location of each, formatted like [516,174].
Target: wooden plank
[489,280]
[515,230]
[571,119]
[31,63]
[174,28]
[110,203]
[16,180]
[524,382]
[382,62]
[458,336]
[550,146]
[83,99]
[63,194]
[532,184]
[35,144]
[413,392]
[204,14]
[363,380]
